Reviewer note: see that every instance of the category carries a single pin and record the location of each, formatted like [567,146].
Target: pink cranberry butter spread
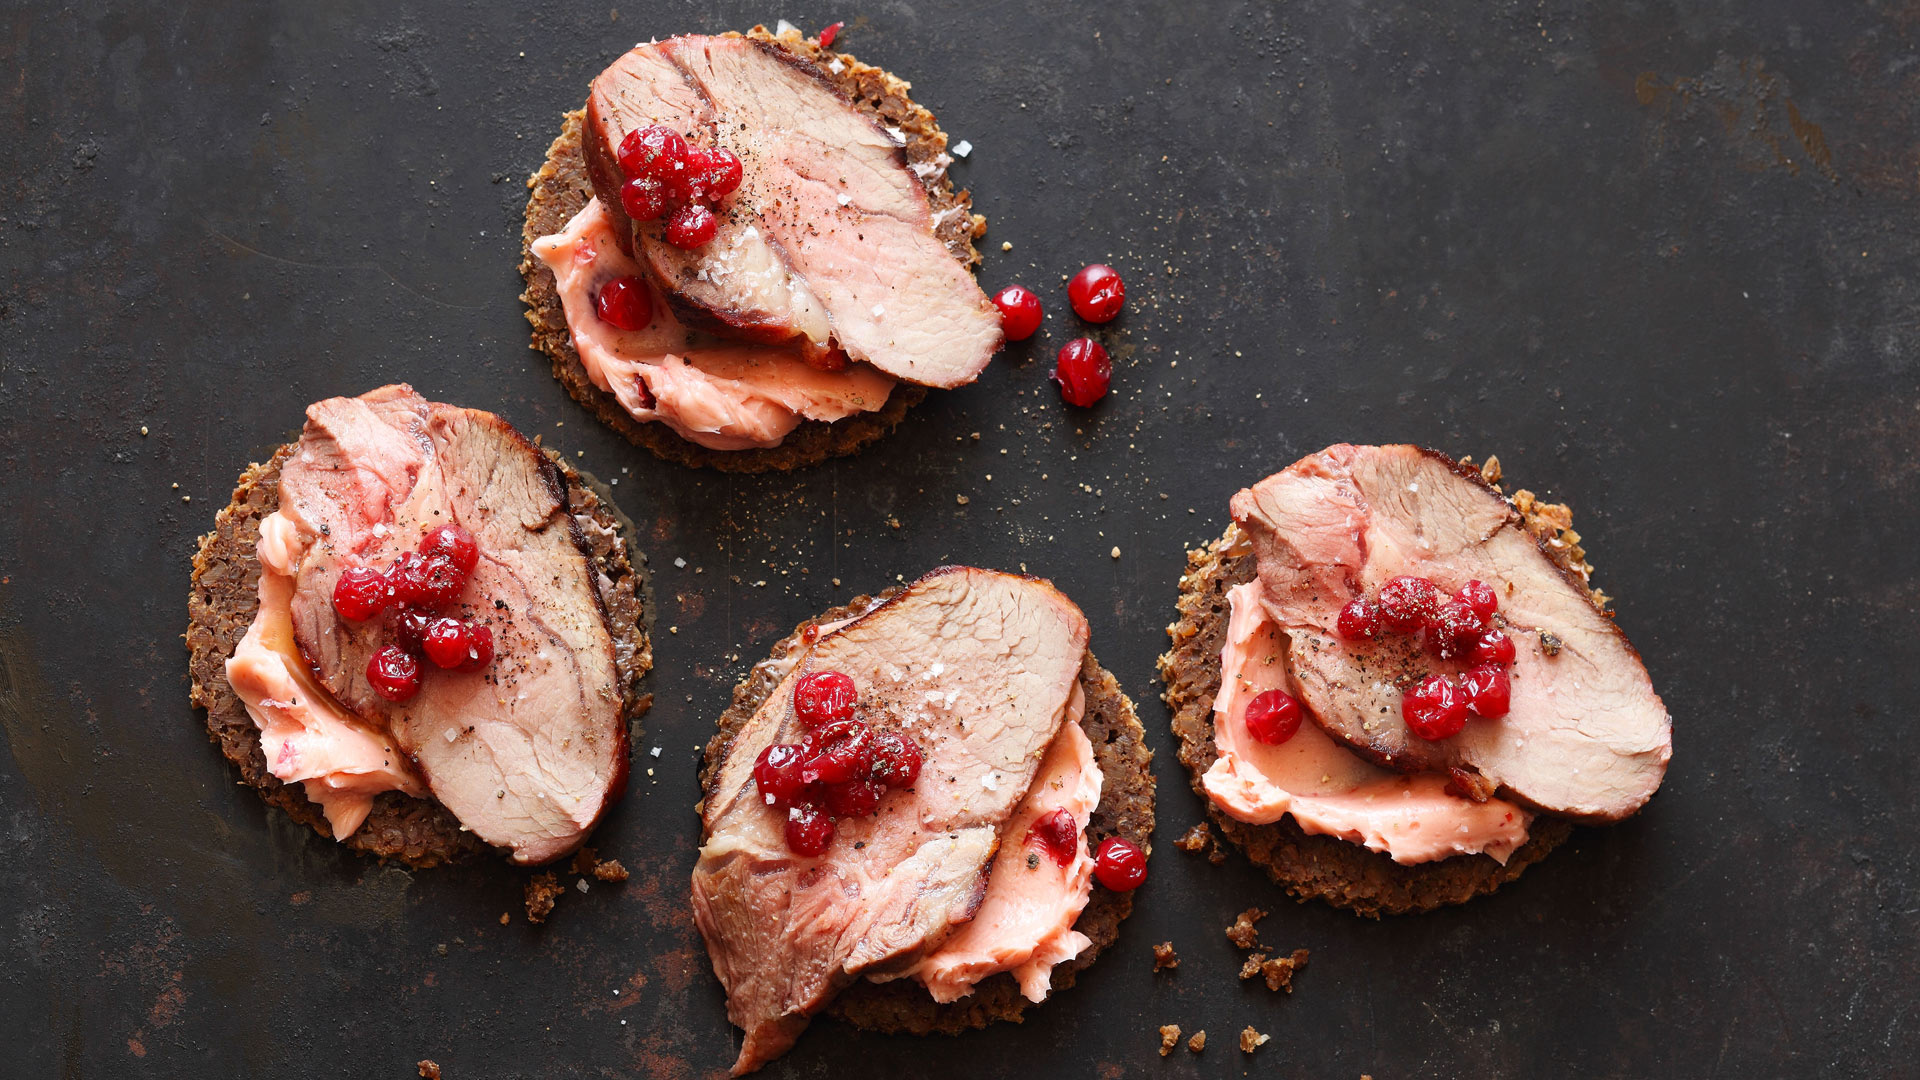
[721,394]
[1326,787]
[307,737]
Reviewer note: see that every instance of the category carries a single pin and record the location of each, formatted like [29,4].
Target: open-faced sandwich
[745,252]
[924,811]
[1395,687]
[421,635]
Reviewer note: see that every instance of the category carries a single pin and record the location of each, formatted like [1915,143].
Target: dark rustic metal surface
[1659,256]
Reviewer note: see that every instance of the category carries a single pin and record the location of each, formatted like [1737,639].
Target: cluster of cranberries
[1459,627]
[839,769]
[1119,864]
[667,178]
[1083,369]
[418,586]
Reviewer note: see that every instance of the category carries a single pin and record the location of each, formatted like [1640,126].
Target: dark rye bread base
[560,189]
[1126,810]
[225,596]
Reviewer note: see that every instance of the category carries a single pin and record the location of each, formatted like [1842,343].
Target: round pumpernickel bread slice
[1126,810]
[225,596]
[560,189]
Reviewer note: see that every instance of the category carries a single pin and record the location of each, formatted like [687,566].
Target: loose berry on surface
[1083,371]
[1019,312]
[1120,864]
[1097,293]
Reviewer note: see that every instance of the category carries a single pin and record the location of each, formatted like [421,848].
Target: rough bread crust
[1310,866]
[560,189]
[225,596]
[1126,809]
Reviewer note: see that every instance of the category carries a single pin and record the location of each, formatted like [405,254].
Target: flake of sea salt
[962,148]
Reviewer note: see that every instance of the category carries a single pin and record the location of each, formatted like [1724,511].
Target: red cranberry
[1408,603]
[1479,596]
[1434,708]
[479,648]
[822,697]
[1359,619]
[1019,312]
[1120,864]
[1273,717]
[394,673]
[361,593]
[445,643]
[409,629]
[837,753]
[1489,693]
[643,198]
[831,32]
[1455,629]
[1097,293]
[1057,834]
[651,151]
[455,543]
[777,772]
[625,304]
[896,760]
[1494,647]
[855,798]
[716,172]
[426,581]
[809,830]
[691,226]
[1083,372]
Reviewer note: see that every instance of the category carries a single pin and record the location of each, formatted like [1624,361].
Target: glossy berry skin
[394,673]
[1120,864]
[1454,630]
[1359,620]
[409,629]
[643,198]
[716,172]
[361,593]
[1097,293]
[1494,647]
[1434,708]
[455,543]
[1408,603]
[1019,312]
[855,798]
[1057,834]
[651,151]
[691,226]
[624,303]
[896,760]
[431,582]
[837,753]
[445,643]
[777,774]
[827,35]
[479,648]
[809,830]
[1273,717]
[1479,596]
[1488,690]
[1083,371]
[823,697]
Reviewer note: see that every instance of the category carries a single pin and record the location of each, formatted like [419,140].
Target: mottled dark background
[1659,256]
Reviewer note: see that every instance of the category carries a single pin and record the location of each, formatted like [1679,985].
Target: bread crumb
[610,870]
[506,918]
[1251,1040]
[429,1068]
[542,891]
[1194,839]
[1169,1038]
[1279,971]
[1164,957]
[1006,245]
[1198,1042]
[1242,933]
[1252,966]
[1116,552]
[961,499]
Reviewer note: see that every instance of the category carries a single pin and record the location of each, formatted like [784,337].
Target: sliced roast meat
[529,753]
[977,667]
[1586,736]
[829,240]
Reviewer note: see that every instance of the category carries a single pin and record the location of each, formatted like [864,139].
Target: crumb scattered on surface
[505,918]
[1251,1040]
[1164,956]
[1169,1038]
[1252,965]
[429,1068]
[609,870]
[542,891]
[1242,933]
[1194,839]
[1198,1042]
[1280,970]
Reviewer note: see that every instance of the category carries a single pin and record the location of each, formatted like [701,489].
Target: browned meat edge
[560,188]
[224,597]
[1126,809]
[1310,866]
